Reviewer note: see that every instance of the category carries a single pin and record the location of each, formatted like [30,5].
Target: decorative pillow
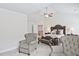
[33,42]
[61,32]
[53,32]
[57,32]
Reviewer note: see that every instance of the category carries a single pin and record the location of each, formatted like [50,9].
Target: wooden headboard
[58,27]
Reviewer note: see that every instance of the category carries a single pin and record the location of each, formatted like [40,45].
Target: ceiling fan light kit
[47,13]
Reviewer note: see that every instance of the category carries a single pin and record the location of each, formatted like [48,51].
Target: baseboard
[8,49]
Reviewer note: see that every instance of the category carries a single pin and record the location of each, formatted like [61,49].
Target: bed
[58,31]
[55,34]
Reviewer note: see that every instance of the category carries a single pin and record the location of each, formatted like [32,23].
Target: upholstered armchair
[70,45]
[29,44]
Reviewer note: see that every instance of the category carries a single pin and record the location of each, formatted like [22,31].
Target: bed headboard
[58,27]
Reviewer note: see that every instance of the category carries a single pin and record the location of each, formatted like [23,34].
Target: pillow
[61,32]
[58,32]
[53,32]
[32,42]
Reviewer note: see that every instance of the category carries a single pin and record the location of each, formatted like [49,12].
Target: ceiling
[25,8]
[28,8]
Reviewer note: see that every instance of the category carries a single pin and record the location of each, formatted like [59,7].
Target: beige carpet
[42,50]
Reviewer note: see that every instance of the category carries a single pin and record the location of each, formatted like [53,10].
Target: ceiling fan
[47,13]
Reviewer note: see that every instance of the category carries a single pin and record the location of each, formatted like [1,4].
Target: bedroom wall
[13,26]
[66,19]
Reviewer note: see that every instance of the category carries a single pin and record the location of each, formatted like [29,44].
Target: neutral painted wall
[13,26]
[66,19]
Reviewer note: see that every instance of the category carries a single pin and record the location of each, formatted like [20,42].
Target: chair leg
[28,54]
[38,42]
[35,48]
[19,50]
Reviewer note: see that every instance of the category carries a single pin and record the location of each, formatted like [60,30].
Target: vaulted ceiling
[28,8]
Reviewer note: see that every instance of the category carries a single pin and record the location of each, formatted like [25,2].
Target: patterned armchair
[29,44]
[70,45]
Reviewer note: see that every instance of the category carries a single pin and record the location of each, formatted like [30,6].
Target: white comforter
[55,35]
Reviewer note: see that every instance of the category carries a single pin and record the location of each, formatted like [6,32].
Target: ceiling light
[47,13]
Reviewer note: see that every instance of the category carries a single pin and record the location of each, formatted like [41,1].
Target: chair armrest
[22,41]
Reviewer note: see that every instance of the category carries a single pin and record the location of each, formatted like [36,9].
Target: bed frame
[58,27]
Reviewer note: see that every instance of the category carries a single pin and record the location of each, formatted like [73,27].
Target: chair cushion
[33,42]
